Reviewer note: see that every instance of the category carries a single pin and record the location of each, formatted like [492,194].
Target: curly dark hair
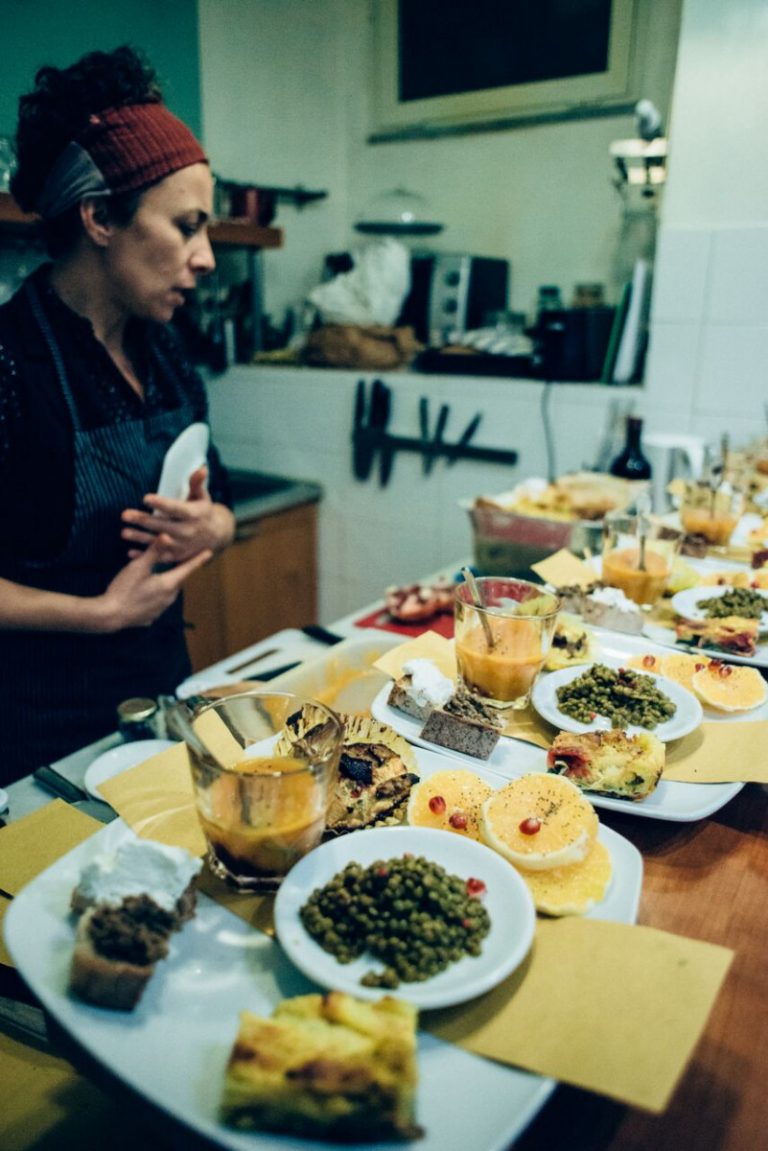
[57,110]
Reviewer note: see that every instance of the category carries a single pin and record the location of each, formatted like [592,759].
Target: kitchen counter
[258,494]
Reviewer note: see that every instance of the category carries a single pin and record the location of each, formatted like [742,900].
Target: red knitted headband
[120,150]
[139,144]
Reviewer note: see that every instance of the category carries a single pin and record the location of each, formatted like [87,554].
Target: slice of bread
[116,950]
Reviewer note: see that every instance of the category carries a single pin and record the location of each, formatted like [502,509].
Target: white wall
[287,98]
[709,336]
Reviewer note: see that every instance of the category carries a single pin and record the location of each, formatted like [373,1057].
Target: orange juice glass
[640,570]
[264,766]
[712,513]
[501,646]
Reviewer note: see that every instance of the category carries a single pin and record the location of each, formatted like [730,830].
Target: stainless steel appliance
[453,292]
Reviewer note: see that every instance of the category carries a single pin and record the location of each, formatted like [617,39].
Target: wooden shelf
[11,214]
[244,234]
[229,233]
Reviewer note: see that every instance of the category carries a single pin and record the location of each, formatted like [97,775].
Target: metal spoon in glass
[474,591]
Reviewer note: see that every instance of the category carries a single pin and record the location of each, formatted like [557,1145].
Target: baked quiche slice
[326,1066]
[611,763]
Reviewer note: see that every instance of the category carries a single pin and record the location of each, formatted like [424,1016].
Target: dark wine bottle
[630,463]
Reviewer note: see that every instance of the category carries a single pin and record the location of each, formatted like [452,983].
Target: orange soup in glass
[640,570]
[711,513]
[264,767]
[501,643]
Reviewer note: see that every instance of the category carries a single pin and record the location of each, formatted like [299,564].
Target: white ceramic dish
[679,802]
[3,799]
[507,900]
[686,603]
[187,453]
[119,759]
[688,711]
[172,1050]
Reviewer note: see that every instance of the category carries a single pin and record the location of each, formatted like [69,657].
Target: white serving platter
[172,1050]
[679,802]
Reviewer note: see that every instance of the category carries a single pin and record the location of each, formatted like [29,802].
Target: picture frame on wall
[448,68]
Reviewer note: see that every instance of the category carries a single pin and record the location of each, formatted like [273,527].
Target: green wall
[36,32]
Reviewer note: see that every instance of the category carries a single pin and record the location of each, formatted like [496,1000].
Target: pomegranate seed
[382,872]
[531,825]
[699,667]
[437,804]
[593,715]
[466,924]
[475,887]
[649,661]
[458,820]
[724,670]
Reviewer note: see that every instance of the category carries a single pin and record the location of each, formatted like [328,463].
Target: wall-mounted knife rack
[371,438]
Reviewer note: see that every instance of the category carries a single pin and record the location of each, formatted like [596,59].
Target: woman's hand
[186,526]
[139,594]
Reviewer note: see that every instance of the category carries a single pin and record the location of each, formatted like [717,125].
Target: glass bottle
[630,463]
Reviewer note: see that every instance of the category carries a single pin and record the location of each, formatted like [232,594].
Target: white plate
[507,900]
[679,802]
[187,453]
[686,603]
[173,1048]
[688,711]
[119,759]
[3,799]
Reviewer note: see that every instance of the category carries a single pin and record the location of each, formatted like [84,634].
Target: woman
[93,390]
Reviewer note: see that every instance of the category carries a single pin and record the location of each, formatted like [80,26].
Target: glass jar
[137,718]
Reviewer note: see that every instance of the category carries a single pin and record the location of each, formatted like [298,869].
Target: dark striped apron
[59,690]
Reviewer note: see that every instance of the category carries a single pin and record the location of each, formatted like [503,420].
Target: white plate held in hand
[187,453]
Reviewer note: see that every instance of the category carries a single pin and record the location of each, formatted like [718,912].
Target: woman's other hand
[186,526]
[139,594]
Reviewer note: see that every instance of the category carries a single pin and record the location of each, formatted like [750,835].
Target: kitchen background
[281,91]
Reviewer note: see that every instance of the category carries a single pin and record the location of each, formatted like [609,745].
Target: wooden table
[706,880]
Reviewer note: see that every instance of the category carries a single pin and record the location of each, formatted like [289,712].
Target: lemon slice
[449,801]
[728,687]
[572,890]
[539,822]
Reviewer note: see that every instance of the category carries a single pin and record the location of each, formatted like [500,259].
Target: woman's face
[160,255]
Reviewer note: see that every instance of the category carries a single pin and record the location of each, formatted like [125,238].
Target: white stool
[672,455]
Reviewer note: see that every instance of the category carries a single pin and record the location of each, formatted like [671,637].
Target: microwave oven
[452,293]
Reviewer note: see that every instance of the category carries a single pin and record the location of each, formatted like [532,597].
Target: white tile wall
[707,367]
[298,422]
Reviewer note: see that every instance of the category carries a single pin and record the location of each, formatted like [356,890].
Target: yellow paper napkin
[436,648]
[155,798]
[720,753]
[609,1007]
[29,845]
[563,569]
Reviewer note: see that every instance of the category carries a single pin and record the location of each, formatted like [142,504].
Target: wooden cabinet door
[266,580]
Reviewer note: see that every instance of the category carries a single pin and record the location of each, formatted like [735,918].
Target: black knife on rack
[362,447]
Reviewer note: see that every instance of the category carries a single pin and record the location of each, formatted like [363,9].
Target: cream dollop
[139,867]
[428,684]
